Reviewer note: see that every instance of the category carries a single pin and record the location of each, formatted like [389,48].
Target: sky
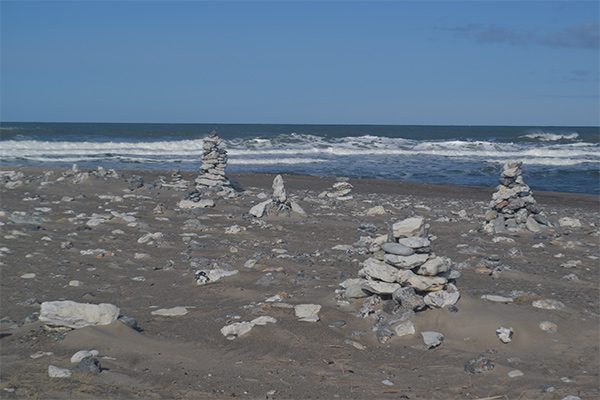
[432,63]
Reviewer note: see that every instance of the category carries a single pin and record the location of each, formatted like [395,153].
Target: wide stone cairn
[513,208]
[279,203]
[214,161]
[406,275]
[341,190]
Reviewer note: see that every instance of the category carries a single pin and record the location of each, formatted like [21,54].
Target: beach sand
[187,357]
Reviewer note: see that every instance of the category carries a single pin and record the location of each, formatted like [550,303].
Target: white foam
[551,137]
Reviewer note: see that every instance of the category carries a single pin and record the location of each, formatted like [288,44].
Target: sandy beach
[87,240]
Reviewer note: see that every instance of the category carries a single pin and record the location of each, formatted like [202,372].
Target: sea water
[565,159]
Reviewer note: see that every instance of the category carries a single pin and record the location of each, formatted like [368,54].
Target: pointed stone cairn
[406,275]
[513,208]
[279,203]
[214,160]
[341,190]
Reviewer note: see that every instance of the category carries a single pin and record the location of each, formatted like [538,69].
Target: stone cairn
[279,203]
[214,160]
[341,190]
[513,208]
[402,276]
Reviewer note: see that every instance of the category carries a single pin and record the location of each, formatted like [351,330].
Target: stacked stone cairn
[278,204]
[513,208]
[341,190]
[214,160]
[403,276]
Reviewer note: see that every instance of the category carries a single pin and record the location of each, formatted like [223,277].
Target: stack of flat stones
[341,191]
[407,271]
[279,203]
[214,160]
[513,208]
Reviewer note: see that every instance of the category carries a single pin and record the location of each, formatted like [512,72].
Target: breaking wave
[551,137]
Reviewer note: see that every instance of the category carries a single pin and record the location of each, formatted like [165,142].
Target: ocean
[564,159]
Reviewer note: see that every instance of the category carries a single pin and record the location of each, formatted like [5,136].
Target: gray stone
[568,222]
[496,299]
[434,266]
[77,315]
[515,373]
[432,339]
[82,354]
[236,329]
[421,283]
[404,328]
[442,298]
[414,242]
[205,276]
[397,249]
[549,327]
[548,304]
[89,365]
[279,194]
[479,364]
[259,210]
[171,312]
[379,287]
[406,262]
[504,334]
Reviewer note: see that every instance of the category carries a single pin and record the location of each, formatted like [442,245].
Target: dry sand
[186,357]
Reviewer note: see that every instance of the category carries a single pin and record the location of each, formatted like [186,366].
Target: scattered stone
[205,276]
[236,329]
[82,354]
[479,364]
[548,304]
[568,222]
[496,299]
[307,312]
[171,312]
[187,204]
[442,298]
[549,327]
[75,283]
[377,210]
[29,275]
[432,339]
[387,382]
[504,334]
[515,373]
[404,328]
[89,365]
[56,372]
[356,345]
[39,354]
[77,315]
[263,320]
[341,190]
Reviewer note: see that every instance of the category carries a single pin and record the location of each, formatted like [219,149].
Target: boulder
[77,315]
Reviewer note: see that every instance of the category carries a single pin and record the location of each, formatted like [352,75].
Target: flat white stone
[29,275]
[55,372]
[548,304]
[379,270]
[496,299]
[432,339]
[307,312]
[77,315]
[379,287]
[170,312]
[409,227]
[404,328]
[236,329]
[83,354]
[263,320]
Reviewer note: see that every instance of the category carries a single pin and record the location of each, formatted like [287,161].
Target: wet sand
[187,357]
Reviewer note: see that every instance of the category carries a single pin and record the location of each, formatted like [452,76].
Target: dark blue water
[556,158]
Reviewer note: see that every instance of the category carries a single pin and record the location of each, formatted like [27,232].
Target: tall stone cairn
[214,161]
[513,207]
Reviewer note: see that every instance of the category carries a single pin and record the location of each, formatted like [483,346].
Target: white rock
[422,283]
[170,312]
[377,210]
[55,372]
[496,299]
[406,262]
[549,327]
[149,237]
[236,329]
[432,339]
[307,312]
[548,304]
[297,209]
[83,354]
[515,373]
[567,222]
[205,276]
[404,328]
[397,249]
[77,315]
[379,287]
[409,227]
[279,193]
[29,275]
[259,210]
[75,283]
[379,270]
[263,320]
[190,205]
[435,266]
[442,298]
[504,334]
[39,354]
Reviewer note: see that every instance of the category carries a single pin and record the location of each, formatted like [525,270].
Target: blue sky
[473,63]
